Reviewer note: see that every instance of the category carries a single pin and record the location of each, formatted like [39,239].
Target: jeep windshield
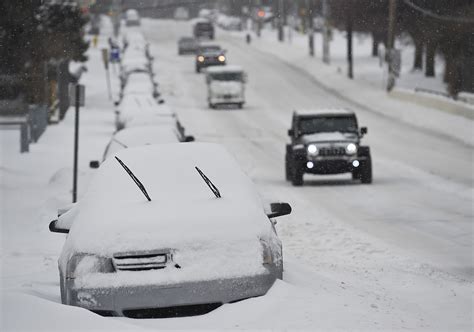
[227,77]
[327,124]
[204,26]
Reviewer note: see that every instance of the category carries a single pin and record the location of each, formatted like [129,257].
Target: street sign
[115,54]
[72,94]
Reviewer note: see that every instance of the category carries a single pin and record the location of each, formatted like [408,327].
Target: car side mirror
[161,101]
[189,138]
[94,164]
[363,130]
[291,132]
[279,209]
[55,228]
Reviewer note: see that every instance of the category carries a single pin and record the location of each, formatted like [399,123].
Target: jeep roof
[323,112]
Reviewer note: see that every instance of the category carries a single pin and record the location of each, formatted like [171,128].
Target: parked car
[187,45]
[225,85]
[140,136]
[132,17]
[140,83]
[139,109]
[327,141]
[203,29]
[209,55]
[172,225]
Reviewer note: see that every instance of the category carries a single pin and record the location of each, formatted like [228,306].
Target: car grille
[140,261]
[332,151]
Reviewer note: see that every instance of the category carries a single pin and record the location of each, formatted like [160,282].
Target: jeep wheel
[211,105]
[366,171]
[287,169]
[198,69]
[240,105]
[356,174]
[297,177]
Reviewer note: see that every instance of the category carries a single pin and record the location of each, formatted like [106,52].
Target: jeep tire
[366,171]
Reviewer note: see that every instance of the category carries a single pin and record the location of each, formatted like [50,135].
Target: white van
[226,85]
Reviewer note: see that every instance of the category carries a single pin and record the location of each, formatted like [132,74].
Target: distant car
[326,141]
[187,45]
[143,109]
[225,85]
[132,17]
[165,226]
[203,29]
[209,55]
[140,136]
[181,13]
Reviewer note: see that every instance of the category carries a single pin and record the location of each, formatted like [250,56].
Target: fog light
[355,163]
[310,164]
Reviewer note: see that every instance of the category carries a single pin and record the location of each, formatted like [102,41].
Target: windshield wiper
[211,185]
[135,179]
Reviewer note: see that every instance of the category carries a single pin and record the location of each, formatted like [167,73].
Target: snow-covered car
[135,110]
[140,83]
[163,226]
[132,17]
[187,45]
[225,85]
[209,55]
[139,136]
[327,141]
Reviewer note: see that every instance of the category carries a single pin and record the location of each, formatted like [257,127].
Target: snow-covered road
[395,254]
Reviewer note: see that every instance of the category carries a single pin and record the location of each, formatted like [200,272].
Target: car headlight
[200,58]
[266,253]
[351,148]
[312,149]
[221,58]
[82,264]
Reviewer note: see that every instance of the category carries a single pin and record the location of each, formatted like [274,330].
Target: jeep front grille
[141,261]
[332,151]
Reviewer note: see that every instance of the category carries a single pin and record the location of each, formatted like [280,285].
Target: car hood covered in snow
[114,215]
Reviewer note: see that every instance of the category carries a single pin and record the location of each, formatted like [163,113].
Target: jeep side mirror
[161,101]
[94,164]
[291,132]
[55,228]
[279,209]
[363,130]
[189,138]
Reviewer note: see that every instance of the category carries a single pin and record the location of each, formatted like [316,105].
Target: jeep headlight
[200,58]
[82,264]
[312,149]
[221,58]
[351,148]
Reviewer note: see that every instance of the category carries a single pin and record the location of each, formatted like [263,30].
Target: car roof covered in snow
[324,112]
[224,69]
[114,214]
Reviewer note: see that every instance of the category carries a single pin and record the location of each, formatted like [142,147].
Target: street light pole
[326,32]
[349,22]
[392,11]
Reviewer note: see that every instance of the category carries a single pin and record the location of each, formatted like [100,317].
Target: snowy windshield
[227,77]
[325,124]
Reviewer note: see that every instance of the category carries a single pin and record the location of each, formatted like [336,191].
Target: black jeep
[326,142]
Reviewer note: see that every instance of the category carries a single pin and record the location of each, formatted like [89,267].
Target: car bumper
[117,300]
[210,63]
[227,100]
[334,165]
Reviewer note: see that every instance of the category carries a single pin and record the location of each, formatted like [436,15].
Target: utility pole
[349,22]
[392,11]
[309,18]
[281,18]
[326,32]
